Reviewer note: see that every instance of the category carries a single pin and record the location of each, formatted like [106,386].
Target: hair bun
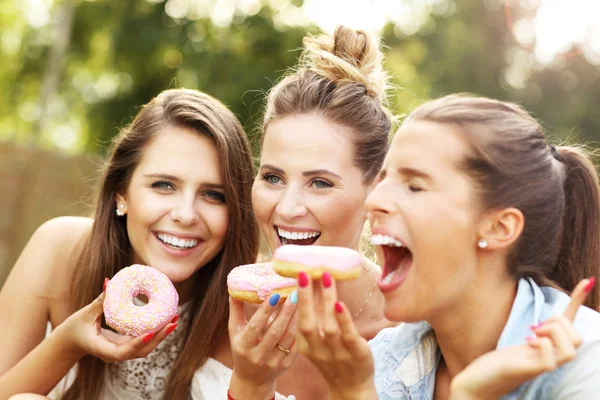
[348,56]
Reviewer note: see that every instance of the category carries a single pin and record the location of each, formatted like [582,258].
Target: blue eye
[163,185]
[272,178]
[321,183]
[216,196]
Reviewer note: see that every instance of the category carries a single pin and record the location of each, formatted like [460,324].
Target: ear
[121,203]
[501,228]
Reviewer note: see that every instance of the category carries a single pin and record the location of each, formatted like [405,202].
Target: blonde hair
[340,78]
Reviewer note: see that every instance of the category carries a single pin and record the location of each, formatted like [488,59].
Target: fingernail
[105,283]
[530,338]
[148,337]
[175,319]
[171,328]
[303,279]
[326,280]
[274,300]
[588,288]
[338,307]
[294,297]
[536,326]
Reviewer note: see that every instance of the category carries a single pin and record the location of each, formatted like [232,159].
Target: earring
[482,243]
[120,212]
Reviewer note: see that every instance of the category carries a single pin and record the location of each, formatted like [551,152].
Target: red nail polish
[588,288]
[302,279]
[326,280]
[171,328]
[105,283]
[148,337]
[338,307]
[175,319]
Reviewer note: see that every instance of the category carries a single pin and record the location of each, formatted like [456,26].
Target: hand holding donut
[496,373]
[332,343]
[263,348]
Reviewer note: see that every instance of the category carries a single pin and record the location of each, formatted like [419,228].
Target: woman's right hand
[82,334]
[263,348]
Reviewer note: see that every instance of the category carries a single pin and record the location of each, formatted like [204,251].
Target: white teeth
[297,235]
[380,240]
[388,277]
[177,242]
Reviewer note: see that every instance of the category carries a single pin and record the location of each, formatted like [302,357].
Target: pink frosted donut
[341,262]
[129,319]
[253,283]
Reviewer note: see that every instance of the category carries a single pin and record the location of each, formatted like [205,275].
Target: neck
[185,289]
[473,324]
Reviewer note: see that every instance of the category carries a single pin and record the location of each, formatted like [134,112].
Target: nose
[291,205]
[185,211]
[380,200]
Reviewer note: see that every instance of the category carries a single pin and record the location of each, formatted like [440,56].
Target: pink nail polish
[339,308]
[326,280]
[530,338]
[536,326]
[302,279]
[588,288]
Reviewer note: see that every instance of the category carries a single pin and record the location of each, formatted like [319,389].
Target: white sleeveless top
[146,378]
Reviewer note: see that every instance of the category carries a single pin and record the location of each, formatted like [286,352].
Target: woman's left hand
[498,372]
[328,337]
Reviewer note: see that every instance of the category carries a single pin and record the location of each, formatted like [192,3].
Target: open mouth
[299,238]
[176,243]
[397,261]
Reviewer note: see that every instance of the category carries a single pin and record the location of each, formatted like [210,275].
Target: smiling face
[425,218]
[177,219]
[308,190]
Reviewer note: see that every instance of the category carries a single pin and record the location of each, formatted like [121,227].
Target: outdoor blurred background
[73,71]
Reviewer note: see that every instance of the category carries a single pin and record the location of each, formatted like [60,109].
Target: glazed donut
[341,262]
[130,319]
[253,283]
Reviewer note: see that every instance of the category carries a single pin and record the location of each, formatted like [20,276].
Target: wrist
[459,391]
[66,345]
[243,389]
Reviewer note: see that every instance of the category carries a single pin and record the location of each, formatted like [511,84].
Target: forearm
[242,390]
[366,393]
[40,370]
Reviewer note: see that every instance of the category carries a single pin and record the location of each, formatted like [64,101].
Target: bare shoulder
[50,255]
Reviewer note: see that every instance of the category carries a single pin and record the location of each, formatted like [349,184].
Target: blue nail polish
[274,300]
[294,297]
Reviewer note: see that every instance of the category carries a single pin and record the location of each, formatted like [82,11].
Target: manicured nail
[536,326]
[171,328]
[175,319]
[588,288]
[326,280]
[105,283]
[338,307]
[530,338]
[294,297]
[148,337]
[274,300]
[302,279]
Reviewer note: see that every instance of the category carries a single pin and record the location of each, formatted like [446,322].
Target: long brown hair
[556,188]
[342,79]
[108,249]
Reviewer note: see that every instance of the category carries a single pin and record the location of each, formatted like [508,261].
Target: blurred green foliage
[122,53]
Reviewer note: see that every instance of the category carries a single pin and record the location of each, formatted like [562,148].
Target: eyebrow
[305,173]
[207,185]
[412,172]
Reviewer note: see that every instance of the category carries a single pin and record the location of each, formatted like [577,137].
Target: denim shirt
[407,356]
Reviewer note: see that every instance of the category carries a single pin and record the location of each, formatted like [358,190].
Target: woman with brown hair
[175,195]
[481,226]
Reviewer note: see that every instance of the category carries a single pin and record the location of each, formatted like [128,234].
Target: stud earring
[482,243]
[120,212]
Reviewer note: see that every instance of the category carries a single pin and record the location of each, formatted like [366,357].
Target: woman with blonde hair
[174,195]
